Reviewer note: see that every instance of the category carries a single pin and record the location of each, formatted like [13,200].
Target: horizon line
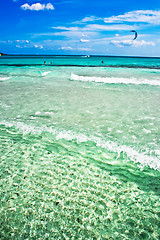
[90,55]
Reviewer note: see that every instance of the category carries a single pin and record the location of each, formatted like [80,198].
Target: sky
[81,27]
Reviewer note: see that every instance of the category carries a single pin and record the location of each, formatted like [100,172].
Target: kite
[136,34]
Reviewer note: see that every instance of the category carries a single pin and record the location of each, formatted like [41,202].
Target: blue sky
[99,27]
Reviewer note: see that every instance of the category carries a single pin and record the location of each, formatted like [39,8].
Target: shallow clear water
[80,148]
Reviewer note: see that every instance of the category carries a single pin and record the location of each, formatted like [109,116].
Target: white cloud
[108,27]
[83,49]
[73,49]
[90,19]
[93,27]
[137,16]
[68,34]
[66,48]
[66,28]
[131,43]
[49,6]
[21,41]
[18,46]
[84,35]
[141,16]
[37,6]
[84,40]
[38,46]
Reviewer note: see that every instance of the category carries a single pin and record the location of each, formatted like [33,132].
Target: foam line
[4,79]
[115,80]
[137,157]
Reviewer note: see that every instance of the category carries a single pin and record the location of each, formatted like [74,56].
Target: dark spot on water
[144,235]
[17,193]
[158,214]
[25,177]
[68,166]
[12,198]
[156,188]
[78,220]
[57,203]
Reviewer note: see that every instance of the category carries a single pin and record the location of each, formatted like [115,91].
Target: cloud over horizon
[131,43]
[66,48]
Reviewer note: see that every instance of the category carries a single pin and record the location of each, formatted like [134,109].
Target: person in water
[44,62]
[102,61]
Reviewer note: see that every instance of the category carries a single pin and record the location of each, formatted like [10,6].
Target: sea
[80,148]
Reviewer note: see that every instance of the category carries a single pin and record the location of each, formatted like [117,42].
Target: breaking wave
[45,73]
[142,159]
[114,80]
[4,79]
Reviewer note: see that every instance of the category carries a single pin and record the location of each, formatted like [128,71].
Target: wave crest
[144,160]
[114,80]
[4,79]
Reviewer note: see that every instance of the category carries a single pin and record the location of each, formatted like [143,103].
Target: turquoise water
[80,147]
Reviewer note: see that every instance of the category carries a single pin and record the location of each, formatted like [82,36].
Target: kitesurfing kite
[136,34]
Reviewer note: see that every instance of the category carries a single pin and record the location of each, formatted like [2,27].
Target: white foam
[45,73]
[4,79]
[137,157]
[38,113]
[115,80]
[3,105]
[146,130]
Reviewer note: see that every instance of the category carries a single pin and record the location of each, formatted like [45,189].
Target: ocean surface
[80,148]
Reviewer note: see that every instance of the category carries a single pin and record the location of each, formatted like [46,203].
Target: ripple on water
[55,187]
